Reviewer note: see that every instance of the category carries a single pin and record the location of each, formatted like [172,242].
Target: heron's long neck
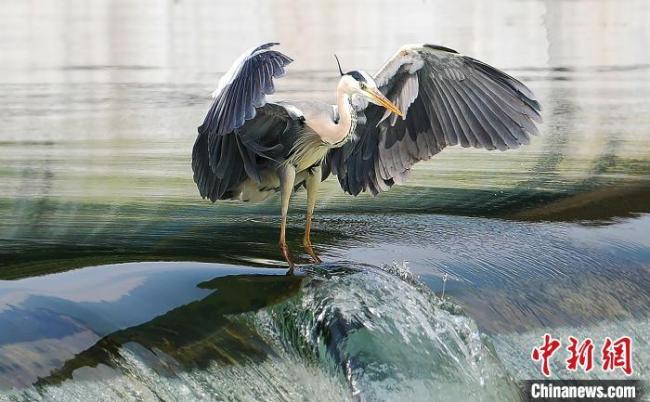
[347,116]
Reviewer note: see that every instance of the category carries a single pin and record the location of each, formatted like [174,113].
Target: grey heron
[423,99]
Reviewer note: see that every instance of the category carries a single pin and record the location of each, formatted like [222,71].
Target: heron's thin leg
[312,183]
[287,179]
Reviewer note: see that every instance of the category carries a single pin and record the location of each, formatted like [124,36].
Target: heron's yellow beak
[383,101]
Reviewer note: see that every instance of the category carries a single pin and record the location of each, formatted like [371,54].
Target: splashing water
[391,336]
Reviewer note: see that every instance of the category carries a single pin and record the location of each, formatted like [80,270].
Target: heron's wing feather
[245,152]
[447,99]
[243,88]
[240,130]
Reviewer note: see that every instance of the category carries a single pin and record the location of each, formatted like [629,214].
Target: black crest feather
[339,63]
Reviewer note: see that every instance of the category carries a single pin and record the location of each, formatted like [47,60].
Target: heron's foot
[287,256]
[310,250]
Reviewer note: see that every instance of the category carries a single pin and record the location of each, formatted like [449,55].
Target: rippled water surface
[118,282]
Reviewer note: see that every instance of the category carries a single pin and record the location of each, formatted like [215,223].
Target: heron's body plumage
[282,125]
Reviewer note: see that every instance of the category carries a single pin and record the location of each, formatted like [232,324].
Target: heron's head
[360,83]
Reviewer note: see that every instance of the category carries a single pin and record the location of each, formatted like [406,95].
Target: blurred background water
[99,103]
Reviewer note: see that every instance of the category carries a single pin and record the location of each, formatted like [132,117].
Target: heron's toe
[310,250]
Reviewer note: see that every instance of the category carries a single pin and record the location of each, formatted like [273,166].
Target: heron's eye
[362,85]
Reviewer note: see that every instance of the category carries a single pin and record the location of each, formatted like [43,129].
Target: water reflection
[196,334]
[158,307]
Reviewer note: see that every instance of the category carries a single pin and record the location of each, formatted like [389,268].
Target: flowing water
[118,282]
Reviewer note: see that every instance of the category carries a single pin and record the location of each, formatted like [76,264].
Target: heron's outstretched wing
[447,99]
[243,88]
[240,133]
